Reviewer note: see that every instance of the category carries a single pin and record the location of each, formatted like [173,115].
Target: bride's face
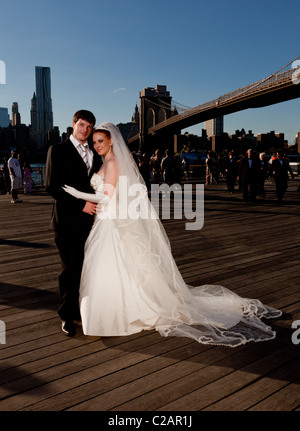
[102,143]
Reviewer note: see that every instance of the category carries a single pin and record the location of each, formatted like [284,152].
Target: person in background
[210,169]
[6,176]
[2,182]
[185,168]
[262,175]
[27,171]
[248,174]
[15,173]
[231,170]
[155,163]
[279,171]
[169,167]
[144,168]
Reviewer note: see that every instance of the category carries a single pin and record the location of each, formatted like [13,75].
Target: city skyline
[199,51]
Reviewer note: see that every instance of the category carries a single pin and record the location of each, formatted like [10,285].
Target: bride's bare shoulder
[112,164]
[111,170]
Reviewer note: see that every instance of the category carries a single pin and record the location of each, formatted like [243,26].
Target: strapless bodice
[97,182]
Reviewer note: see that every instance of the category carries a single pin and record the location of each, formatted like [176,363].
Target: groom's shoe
[68,328]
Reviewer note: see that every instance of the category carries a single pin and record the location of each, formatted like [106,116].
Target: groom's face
[82,130]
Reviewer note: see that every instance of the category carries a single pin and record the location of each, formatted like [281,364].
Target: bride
[130,281]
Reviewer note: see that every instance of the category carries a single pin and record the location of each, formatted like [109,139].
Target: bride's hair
[106,132]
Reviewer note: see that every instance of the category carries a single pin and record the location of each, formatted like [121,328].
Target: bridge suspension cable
[170,107]
[251,87]
[178,103]
[246,91]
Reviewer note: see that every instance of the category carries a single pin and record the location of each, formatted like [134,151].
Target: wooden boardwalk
[251,249]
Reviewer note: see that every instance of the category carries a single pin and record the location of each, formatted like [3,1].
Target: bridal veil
[210,314]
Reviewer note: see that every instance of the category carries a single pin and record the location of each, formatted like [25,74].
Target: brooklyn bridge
[161,122]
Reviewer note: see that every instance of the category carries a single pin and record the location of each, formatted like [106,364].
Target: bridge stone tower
[155,107]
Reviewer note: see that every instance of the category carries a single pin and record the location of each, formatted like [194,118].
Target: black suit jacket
[65,166]
[246,174]
[231,167]
[280,172]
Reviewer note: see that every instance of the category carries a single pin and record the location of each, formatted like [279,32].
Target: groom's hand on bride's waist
[90,208]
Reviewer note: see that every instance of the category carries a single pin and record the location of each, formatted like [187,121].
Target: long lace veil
[210,314]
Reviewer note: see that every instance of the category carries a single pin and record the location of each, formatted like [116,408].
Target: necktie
[85,157]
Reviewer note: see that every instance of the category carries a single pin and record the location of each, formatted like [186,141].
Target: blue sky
[103,52]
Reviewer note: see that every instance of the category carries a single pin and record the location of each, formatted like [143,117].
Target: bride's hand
[89,197]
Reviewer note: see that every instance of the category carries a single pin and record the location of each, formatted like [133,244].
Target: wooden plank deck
[251,249]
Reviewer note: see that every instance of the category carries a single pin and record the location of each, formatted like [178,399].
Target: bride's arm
[89,197]
[111,174]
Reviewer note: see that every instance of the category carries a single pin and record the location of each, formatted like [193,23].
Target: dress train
[130,284]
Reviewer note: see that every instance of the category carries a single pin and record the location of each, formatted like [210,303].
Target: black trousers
[281,187]
[71,251]
[249,190]
[231,180]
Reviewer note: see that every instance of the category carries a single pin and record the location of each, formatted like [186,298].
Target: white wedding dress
[130,281]
[124,290]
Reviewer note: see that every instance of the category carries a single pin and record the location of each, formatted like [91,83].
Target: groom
[71,162]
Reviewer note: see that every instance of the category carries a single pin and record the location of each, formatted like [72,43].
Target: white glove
[98,197]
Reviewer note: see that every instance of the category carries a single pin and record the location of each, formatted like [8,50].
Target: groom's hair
[84,115]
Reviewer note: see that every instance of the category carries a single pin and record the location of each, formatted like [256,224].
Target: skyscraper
[214,127]
[16,117]
[41,108]
[4,117]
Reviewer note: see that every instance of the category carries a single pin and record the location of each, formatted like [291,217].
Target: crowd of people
[15,174]
[164,167]
[245,173]
[250,171]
